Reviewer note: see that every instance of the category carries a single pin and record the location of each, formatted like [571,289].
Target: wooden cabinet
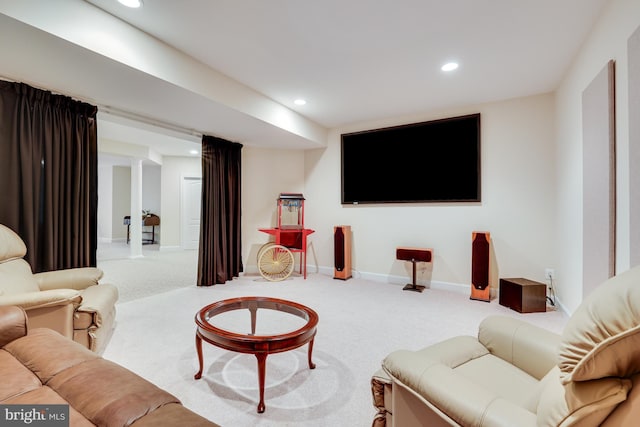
[523,295]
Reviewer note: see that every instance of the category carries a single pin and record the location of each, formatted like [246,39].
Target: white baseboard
[169,248]
[111,239]
[387,278]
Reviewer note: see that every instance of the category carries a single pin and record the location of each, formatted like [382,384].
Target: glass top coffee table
[281,326]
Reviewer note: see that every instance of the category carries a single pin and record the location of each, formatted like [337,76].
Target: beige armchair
[70,301]
[516,374]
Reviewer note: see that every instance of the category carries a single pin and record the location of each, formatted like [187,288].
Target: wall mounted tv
[434,161]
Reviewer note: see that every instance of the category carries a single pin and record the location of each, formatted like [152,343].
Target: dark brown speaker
[480,253]
[413,254]
[342,252]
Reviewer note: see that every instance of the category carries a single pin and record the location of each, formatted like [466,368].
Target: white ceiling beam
[87,26]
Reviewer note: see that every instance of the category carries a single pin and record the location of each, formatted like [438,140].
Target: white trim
[395,280]
[169,248]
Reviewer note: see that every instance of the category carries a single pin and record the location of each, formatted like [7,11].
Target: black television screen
[435,161]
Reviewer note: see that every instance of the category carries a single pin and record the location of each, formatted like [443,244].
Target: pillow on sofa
[579,403]
[16,277]
[11,245]
[602,338]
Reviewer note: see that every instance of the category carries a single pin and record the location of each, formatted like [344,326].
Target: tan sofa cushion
[71,278]
[16,379]
[114,406]
[39,299]
[172,414]
[532,349]
[15,273]
[36,349]
[16,277]
[11,245]
[602,338]
[579,403]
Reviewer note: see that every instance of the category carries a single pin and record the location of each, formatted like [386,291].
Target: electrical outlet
[549,273]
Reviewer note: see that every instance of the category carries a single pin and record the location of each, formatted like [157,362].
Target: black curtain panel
[220,255]
[49,172]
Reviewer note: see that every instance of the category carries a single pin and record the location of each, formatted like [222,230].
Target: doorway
[191,200]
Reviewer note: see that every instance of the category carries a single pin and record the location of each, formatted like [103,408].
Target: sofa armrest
[530,348]
[32,300]
[452,394]
[72,278]
[13,324]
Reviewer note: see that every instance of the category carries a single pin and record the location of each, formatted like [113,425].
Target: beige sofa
[41,367]
[71,302]
[516,374]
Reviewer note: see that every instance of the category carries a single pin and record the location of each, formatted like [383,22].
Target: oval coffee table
[281,334]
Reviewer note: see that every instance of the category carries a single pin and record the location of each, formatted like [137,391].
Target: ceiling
[354,61]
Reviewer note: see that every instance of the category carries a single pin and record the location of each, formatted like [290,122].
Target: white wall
[518,197]
[265,174]
[114,198]
[607,41]
[121,201]
[151,189]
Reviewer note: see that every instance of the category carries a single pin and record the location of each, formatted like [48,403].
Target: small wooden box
[523,295]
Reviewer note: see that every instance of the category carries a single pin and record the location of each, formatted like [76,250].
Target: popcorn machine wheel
[275,262]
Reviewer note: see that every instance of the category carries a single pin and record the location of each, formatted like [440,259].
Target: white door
[191,199]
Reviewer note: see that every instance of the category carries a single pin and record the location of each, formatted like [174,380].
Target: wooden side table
[523,295]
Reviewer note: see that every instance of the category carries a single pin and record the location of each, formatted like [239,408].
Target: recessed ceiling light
[449,66]
[299,102]
[193,151]
[131,3]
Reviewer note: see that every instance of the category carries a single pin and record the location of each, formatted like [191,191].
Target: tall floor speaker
[342,252]
[480,253]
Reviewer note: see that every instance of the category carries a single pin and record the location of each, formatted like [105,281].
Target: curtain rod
[124,114]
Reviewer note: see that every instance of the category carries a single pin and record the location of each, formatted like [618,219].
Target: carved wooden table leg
[198,375]
[262,359]
[253,309]
[311,364]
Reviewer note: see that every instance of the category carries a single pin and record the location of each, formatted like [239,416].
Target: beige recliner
[516,374]
[70,301]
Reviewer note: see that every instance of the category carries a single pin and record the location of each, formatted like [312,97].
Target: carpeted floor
[156,272]
[360,323]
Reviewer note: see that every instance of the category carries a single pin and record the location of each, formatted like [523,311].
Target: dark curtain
[48,170]
[220,256]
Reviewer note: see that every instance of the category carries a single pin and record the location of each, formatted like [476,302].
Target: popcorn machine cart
[276,259]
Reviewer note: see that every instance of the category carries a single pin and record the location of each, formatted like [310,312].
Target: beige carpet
[360,323]
[155,273]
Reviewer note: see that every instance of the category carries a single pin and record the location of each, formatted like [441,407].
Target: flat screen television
[434,161]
